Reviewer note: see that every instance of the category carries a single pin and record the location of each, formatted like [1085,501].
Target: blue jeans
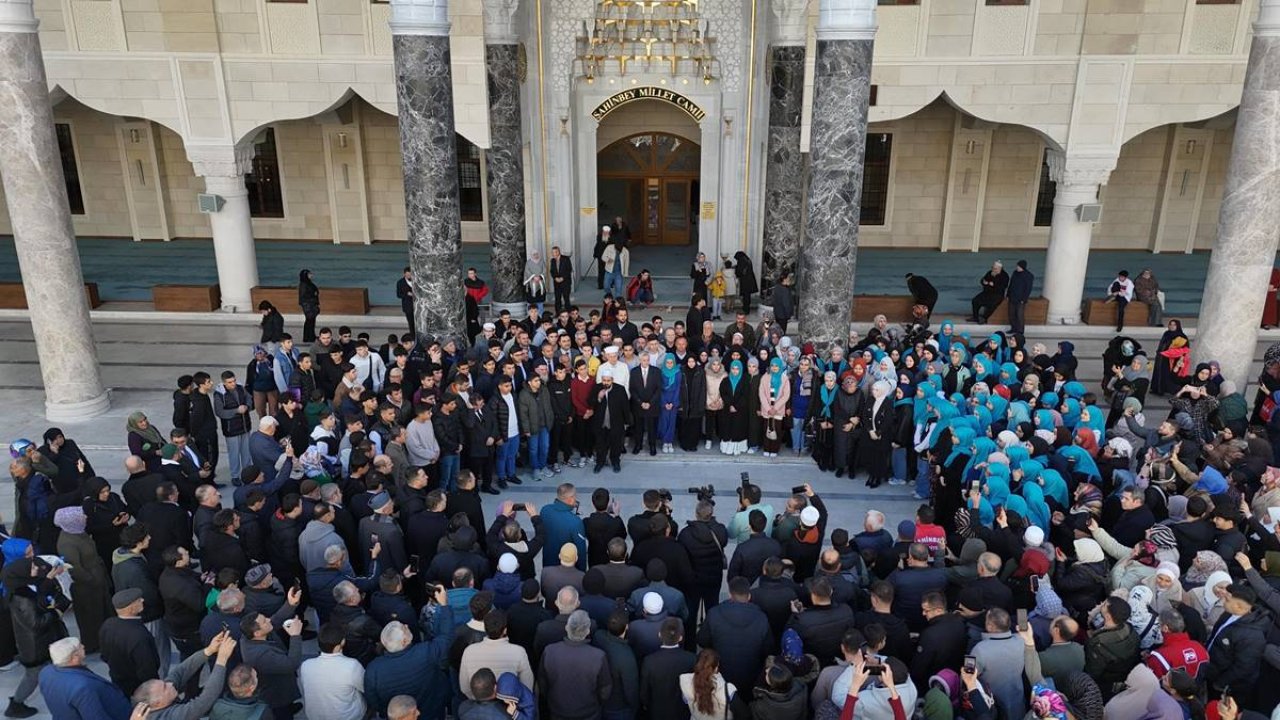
[797,435]
[922,476]
[507,452]
[898,460]
[644,296]
[449,472]
[612,279]
[539,446]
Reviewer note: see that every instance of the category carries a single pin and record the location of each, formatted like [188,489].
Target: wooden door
[676,212]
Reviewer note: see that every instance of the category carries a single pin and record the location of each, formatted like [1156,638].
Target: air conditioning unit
[1090,213]
[209,203]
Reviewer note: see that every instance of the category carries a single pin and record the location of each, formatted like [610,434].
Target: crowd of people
[1076,552]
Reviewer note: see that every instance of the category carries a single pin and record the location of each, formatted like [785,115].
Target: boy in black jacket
[482,436]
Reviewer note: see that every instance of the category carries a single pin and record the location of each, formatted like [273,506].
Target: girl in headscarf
[693,407]
[775,393]
[822,417]
[535,280]
[1081,463]
[956,376]
[1081,584]
[1208,600]
[848,415]
[755,423]
[1038,512]
[946,333]
[1165,379]
[948,489]
[670,402]
[144,440]
[804,382]
[717,415]
[1145,622]
[106,516]
[902,437]
[1055,488]
[735,420]
[91,583]
[877,421]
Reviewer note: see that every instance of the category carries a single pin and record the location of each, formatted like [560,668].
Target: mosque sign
[670,97]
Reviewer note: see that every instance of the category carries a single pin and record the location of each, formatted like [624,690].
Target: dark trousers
[188,646]
[746,303]
[700,599]
[208,449]
[584,440]
[1018,316]
[984,302]
[599,274]
[782,324]
[561,445]
[1121,304]
[562,290]
[644,426]
[309,327]
[609,446]
[408,316]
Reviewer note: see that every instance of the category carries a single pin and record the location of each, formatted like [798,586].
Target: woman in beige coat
[775,393]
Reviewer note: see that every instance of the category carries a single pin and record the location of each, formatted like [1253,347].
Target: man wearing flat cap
[382,524]
[127,648]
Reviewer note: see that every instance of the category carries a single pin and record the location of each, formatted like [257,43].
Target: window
[263,181]
[70,172]
[875,179]
[470,199]
[1044,196]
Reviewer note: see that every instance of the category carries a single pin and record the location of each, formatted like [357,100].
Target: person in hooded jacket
[704,538]
[35,603]
[746,275]
[782,697]
[309,301]
[505,583]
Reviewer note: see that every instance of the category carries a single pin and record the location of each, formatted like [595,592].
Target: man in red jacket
[1178,651]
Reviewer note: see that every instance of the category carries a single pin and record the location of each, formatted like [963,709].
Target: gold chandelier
[657,35]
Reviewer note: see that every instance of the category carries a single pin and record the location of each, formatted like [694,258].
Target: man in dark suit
[127,647]
[404,291]
[646,396]
[140,487]
[561,278]
[660,695]
[168,523]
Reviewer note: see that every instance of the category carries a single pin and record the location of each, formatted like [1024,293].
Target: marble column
[504,161]
[424,90]
[1079,178]
[1245,251]
[838,132]
[784,165]
[223,168]
[36,195]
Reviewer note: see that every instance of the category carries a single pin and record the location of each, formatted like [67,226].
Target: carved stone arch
[59,94]
[899,112]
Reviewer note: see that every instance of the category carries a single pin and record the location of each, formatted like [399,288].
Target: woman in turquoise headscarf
[982,369]
[995,493]
[1055,488]
[1093,418]
[1038,513]
[946,414]
[1070,413]
[775,393]
[1049,400]
[1046,420]
[956,375]
[1019,412]
[670,403]
[735,420]
[1081,463]
[945,333]
[1074,389]
[999,408]
[982,447]
[1009,376]
[948,492]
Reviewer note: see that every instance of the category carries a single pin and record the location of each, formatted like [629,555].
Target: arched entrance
[652,178]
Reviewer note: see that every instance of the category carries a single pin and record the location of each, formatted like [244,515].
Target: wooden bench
[333,300]
[895,308]
[14,297]
[1037,313]
[186,298]
[1100,312]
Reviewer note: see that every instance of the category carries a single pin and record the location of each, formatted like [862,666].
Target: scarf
[670,371]
[151,434]
[735,378]
[776,376]
[828,397]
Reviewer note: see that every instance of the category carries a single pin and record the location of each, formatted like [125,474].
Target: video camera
[705,493]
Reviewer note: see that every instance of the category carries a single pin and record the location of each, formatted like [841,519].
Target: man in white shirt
[505,406]
[1120,292]
[332,684]
[370,369]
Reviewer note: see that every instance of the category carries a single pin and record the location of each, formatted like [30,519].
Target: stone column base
[517,309]
[71,412]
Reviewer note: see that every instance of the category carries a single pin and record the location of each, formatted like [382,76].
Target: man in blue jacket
[74,692]
[561,524]
[420,670]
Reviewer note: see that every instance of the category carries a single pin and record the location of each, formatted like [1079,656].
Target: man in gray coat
[162,695]
[318,535]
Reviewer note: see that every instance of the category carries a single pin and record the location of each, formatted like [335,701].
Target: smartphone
[970,664]
[874,668]
[746,479]
[1022,619]
[797,490]
[518,507]
[1035,584]
[225,628]
[373,538]
[415,562]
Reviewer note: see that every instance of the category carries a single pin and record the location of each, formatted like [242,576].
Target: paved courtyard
[140,361]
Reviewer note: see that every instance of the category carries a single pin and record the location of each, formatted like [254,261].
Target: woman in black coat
[693,404]
[273,321]
[847,416]
[875,450]
[309,301]
[33,596]
[746,275]
[735,419]
[106,514]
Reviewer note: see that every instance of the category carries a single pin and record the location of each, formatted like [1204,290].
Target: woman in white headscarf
[1208,600]
[1165,586]
[1143,619]
[877,420]
[535,280]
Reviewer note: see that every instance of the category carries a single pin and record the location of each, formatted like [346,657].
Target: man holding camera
[748,500]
